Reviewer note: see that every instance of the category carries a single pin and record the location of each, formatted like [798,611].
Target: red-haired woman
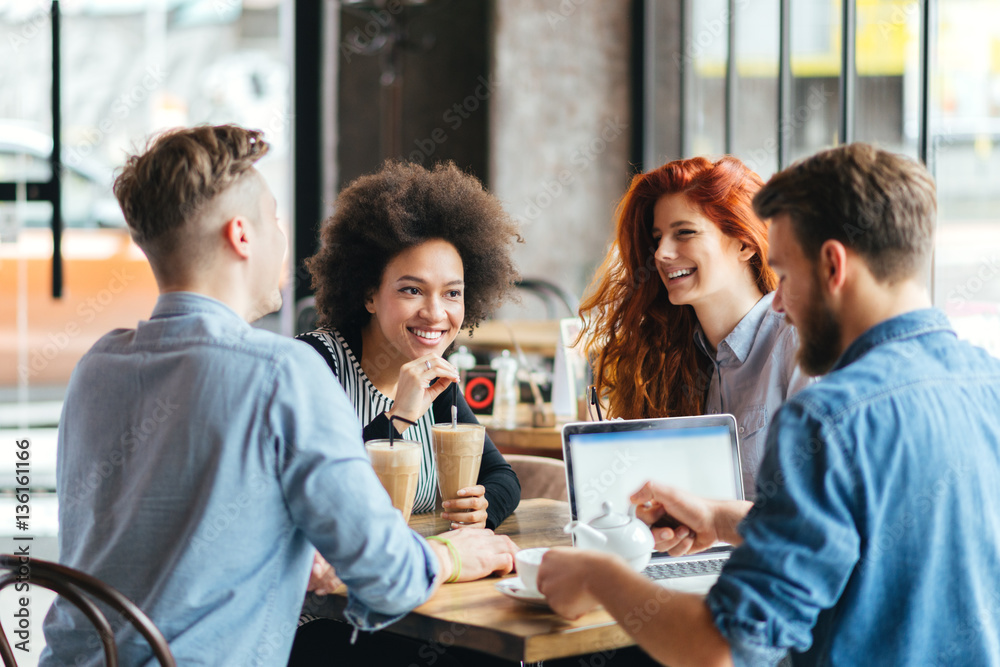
[678,317]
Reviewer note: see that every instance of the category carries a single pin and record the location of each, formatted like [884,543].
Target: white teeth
[679,273]
[430,335]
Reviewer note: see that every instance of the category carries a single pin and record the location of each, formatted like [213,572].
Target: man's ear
[832,266]
[235,231]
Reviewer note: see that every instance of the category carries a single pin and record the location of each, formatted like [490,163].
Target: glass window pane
[755,139]
[129,70]
[966,159]
[706,91]
[664,61]
[815,113]
[25,148]
[887,102]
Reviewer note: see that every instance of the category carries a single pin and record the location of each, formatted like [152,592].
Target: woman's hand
[414,391]
[469,509]
[322,578]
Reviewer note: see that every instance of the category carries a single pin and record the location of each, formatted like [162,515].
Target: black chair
[551,295]
[75,586]
[305,315]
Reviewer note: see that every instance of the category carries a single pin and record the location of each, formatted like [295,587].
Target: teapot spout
[587,536]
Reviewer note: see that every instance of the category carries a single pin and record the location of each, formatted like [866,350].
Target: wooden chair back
[79,587]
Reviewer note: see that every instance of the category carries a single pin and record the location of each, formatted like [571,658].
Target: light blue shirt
[753,372]
[875,537]
[199,461]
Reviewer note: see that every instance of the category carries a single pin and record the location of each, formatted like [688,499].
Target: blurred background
[553,104]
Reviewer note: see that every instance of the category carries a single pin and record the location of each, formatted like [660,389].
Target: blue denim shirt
[754,371]
[199,461]
[875,538]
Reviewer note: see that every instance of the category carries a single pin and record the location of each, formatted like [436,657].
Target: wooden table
[545,441]
[475,615]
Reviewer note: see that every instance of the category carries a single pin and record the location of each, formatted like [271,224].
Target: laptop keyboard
[691,568]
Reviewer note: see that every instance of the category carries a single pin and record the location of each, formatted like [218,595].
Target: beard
[819,335]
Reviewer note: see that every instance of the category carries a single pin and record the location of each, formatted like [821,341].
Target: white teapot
[612,532]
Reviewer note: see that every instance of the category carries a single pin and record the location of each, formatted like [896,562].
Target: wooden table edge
[604,633]
[605,636]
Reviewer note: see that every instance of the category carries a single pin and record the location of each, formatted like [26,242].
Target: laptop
[611,460]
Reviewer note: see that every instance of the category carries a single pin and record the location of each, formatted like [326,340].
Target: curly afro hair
[402,205]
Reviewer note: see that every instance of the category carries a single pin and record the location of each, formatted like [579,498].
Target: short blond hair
[177,177]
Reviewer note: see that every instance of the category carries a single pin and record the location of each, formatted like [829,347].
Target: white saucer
[513,588]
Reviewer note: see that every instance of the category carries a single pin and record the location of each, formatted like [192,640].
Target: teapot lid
[610,518]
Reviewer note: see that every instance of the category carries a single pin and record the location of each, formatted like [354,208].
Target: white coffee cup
[527,562]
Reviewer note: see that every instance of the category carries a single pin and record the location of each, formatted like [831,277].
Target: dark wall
[444,66]
[307,185]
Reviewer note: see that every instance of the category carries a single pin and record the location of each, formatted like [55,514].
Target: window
[128,70]
[729,62]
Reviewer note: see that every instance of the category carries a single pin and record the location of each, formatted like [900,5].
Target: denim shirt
[875,538]
[199,461]
[753,371]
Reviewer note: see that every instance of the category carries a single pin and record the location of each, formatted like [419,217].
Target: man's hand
[563,576]
[469,510]
[322,578]
[481,551]
[702,522]
[674,628]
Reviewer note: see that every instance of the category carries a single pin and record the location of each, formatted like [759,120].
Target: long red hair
[642,346]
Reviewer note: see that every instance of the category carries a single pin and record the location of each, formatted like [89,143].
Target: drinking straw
[392,427]
[454,405]
[595,401]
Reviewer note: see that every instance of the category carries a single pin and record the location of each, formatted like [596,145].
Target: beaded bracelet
[456,560]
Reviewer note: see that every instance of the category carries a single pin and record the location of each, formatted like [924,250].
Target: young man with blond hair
[874,538]
[210,522]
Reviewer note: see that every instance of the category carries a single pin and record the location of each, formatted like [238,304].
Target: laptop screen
[609,461]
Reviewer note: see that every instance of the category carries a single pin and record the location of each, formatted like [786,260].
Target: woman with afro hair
[410,257]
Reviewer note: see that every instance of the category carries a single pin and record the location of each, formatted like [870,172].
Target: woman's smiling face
[695,260]
[419,306]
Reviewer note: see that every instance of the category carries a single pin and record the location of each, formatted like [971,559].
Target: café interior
[553,105]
